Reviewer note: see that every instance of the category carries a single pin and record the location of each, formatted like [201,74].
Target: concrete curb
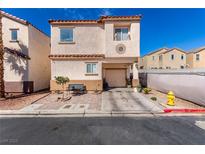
[185,110]
[82,112]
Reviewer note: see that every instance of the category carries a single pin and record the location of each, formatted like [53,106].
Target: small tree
[60,80]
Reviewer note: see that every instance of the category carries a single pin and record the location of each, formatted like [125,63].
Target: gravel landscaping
[22,101]
[162,99]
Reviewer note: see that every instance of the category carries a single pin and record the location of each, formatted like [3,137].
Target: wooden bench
[77,88]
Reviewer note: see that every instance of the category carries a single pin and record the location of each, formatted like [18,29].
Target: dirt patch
[17,103]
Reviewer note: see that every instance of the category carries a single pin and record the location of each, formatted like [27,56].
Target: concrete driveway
[125,99]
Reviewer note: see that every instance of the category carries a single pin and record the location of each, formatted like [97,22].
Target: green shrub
[154,98]
[147,90]
[61,80]
[139,88]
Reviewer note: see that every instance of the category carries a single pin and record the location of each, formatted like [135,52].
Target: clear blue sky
[183,28]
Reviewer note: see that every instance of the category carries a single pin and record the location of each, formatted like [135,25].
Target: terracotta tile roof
[72,21]
[138,17]
[16,53]
[101,20]
[77,56]
[22,21]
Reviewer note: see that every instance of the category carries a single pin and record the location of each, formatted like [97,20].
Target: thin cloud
[105,12]
[81,14]
[73,14]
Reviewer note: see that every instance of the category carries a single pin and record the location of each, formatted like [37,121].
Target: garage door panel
[116,77]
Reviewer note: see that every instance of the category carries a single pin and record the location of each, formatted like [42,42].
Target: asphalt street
[107,130]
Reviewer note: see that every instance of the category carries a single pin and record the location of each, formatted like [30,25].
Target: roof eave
[99,21]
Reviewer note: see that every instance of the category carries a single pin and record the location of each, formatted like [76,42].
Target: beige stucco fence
[188,84]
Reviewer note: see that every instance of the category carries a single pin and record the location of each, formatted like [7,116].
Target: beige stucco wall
[74,70]
[166,61]
[201,62]
[132,45]
[96,39]
[177,62]
[150,63]
[88,39]
[15,69]
[39,65]
[143,62]
[32,43]
[189,60]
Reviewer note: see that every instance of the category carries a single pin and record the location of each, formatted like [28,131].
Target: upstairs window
[91,68]
[66,35]
[153,58]
[14,34]
[182,57]
[197,57]
[172,57]
[121,34]
[160,58]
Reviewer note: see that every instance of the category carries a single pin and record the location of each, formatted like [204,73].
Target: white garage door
[115,77]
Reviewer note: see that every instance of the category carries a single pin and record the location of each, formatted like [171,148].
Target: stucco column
[135,80]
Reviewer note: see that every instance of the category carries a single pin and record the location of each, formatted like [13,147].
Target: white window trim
[129,38]
[91,73]
[11,29]
[66,42]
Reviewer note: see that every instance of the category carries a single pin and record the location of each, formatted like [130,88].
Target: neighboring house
[151,60]
[26,63]
[164,58]
[174,58]
[196,58]
[95,52]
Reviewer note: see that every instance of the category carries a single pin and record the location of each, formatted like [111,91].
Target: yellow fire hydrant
[170,98]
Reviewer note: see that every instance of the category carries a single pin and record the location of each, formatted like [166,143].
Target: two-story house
[174,58]
[93,52]
[26,51]
[164,58]
[196,58]
[152,60]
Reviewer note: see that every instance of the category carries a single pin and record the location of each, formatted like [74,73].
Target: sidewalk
[117,102]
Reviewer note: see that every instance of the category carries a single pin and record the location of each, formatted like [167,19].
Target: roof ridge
[150,53]
[195,50]
[23,21]
[173,49]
